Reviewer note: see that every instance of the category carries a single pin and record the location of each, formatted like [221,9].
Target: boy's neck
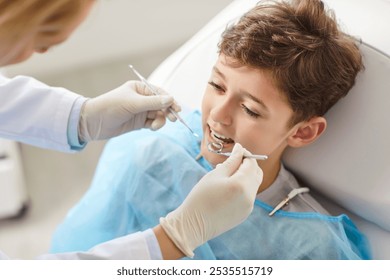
[270,171]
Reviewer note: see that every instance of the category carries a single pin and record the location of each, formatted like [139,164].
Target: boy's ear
[307,132]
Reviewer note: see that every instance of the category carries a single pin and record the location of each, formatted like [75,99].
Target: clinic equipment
[219,146]
[14,199]
[151,88]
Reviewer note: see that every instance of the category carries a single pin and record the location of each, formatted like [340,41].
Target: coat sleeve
[137,246]
[36,114]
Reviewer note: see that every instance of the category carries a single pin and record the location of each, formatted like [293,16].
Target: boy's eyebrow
[216,70]
[246,94]
[255,99]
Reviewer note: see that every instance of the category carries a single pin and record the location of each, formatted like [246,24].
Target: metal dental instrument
[151,88]
[285,201]
[219,146]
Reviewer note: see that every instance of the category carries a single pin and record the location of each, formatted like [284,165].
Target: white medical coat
[136,246]
[34,113]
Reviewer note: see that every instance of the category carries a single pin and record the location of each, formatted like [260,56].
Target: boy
[279,70]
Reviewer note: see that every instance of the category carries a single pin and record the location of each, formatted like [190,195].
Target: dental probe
[220,147]
[150,87]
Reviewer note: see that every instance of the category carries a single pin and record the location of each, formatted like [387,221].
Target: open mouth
[220,138]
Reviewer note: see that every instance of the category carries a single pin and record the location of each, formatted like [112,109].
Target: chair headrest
[349,163]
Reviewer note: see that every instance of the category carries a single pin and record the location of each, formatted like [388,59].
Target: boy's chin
[212,158]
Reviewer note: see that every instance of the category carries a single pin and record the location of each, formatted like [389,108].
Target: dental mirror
[216,148]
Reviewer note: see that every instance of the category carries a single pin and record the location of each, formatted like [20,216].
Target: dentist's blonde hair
[20,18]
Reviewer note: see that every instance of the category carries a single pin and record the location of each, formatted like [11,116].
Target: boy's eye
[249,112]
[215,86]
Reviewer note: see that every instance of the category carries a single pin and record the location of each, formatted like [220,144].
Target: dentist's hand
[129,107]
[221,200]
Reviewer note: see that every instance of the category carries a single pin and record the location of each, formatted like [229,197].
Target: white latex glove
[129,107]
[221,200]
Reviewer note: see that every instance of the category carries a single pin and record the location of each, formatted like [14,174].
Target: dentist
[55,118]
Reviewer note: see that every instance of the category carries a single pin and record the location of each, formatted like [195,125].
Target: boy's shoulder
[282,186]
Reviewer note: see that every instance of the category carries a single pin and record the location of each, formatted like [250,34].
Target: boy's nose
[222,113]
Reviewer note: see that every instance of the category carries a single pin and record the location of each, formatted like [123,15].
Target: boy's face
[242,105]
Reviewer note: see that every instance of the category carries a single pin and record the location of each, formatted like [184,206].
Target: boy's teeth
[221,137]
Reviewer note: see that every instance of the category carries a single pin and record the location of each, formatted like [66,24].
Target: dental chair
[348,168]
[14,198]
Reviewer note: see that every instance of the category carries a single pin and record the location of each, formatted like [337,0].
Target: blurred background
[93,61]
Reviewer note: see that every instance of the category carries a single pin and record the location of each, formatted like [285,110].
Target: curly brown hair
[299,42]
